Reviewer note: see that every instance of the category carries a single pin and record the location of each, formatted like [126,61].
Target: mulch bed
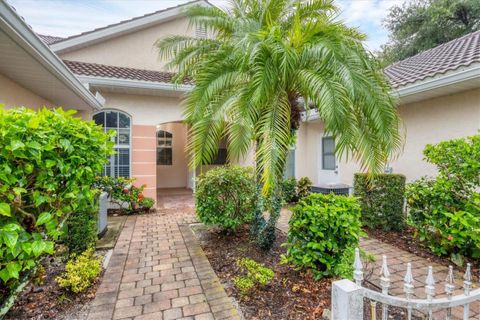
[290,295]
[47,300]
[405,240]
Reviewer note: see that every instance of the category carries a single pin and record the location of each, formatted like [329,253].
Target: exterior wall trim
[135,84]
[15,27]
[470,73]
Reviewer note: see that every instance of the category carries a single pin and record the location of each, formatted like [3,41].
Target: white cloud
[69,17]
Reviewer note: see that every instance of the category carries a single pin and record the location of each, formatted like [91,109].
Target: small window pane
[124,121]
[124,136]
[168,135]
[328,145]
[99,119]
[112,119]
[164,156]
[329,162]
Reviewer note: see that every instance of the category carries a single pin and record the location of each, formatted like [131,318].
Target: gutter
[451,78]
[17,29]
[134,84]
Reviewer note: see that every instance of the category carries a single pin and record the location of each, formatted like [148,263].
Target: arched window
[119,164]
[164,148]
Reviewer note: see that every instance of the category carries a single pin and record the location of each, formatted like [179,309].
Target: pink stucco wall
[144,158]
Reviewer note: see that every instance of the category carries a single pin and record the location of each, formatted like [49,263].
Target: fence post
[347,301]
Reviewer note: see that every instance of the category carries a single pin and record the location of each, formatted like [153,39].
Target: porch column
[144,158]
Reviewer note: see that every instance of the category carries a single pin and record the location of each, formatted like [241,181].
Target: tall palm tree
[264,62]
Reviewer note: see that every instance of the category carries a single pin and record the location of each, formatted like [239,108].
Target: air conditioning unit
[338,189]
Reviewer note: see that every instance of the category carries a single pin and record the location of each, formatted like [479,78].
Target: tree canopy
[266,62]
[423,24]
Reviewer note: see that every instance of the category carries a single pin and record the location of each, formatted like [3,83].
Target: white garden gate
[348,297]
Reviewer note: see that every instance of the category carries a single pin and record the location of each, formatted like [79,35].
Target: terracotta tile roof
[129,20]
[101,70]
[49,39]
[452,55]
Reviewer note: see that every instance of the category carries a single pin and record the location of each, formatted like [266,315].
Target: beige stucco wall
[14,95]
[429,121]
[175,175]
[145,110]
[135,50]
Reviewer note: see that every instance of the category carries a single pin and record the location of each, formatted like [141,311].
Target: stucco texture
[14,95]
[134,50]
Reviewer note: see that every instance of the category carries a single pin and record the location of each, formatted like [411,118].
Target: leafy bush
[255,274]
[225,196]
[124,193]
[146,203]
[381,199]
[48,162]
[304,187]
[323,229]
[445,211]
[81,230]
[80,272]
[289,190]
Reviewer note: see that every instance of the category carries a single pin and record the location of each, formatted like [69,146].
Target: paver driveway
[158,271]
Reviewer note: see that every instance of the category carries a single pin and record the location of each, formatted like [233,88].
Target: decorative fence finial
[385,275]
[357,265]
[450,286]
[449,289]
[408,282]
[430,284]
[467,280]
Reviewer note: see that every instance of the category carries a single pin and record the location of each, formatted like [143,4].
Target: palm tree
[264,63]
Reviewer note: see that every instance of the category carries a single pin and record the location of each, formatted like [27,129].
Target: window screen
[328,153]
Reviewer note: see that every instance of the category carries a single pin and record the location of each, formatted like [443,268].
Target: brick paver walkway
[397,264]
[158,271]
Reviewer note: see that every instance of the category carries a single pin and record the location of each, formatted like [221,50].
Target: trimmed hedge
[382,200]
[81,230]
[324,230]
[225,196]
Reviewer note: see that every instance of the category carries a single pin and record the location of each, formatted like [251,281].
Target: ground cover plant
[445,210]
[80,272]
[225,197]
[49,159]
[323,232]
[265,58]
[382,200]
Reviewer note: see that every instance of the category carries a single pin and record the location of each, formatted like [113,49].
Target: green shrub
[323,229]
[48,162]
[381,199]
[81,230]
[80,272]
[254,274]
[304,187]
[289,190]
[445,211]
[225,196]
[146,203]
[123,192]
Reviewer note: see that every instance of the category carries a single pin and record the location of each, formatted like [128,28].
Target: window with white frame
[164,148]
[119,163]
[328,153]
[201,32]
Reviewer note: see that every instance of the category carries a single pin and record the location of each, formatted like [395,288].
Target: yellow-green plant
[48,162]
[254,273]
[80,272]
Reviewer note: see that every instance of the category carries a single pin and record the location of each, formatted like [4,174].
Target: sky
[68,17]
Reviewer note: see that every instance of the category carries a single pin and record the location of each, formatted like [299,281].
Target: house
[113,75]
[439,99]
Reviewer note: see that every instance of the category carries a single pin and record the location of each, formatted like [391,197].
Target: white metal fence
[348,297]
